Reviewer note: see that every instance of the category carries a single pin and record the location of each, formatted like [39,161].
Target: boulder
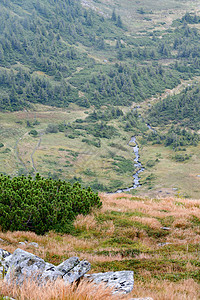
[3,265]
[22,243]
[51,274]
[77,272]
[23,264]
[68,264]
[121,281]
[34,244]
[4,254]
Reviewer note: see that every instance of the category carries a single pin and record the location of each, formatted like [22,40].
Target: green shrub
[41,204]
[150,163]
[52,128]
[33,132]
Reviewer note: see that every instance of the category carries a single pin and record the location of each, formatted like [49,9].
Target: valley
[110,164]
[100,143]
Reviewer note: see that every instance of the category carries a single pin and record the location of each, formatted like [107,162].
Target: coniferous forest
[60,53]
[100,147]
[42,46]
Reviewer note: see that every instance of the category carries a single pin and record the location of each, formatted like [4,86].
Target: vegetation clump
[41,205]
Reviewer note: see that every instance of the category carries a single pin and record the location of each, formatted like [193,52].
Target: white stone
[77,272]
[23,264]
[34,244]
[68,264]
[121,281]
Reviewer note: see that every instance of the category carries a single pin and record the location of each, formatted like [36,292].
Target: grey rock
[68,264]
[1,240]
[23,264]
[8,298]
[165,228]
[77,272]
[164,244]
[121,281]
[22,243]
[4,254]
[51,274]
[34,244]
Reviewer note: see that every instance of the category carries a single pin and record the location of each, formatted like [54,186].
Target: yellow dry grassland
[157,238]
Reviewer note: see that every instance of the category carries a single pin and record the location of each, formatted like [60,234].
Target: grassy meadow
[108,167]
[140,16]
[54,154]
[165,176]
[127,233]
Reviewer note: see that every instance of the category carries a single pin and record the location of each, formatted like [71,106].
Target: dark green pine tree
[119,22]
[114,16]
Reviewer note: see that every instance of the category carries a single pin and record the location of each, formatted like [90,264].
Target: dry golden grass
[151,222]
[166,290]
[127,202]
[186,289]
[57,291]
[107,238]
[89,223]
[181,209]
[86,222]
[181,223]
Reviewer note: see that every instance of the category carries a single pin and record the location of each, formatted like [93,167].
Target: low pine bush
[41,205]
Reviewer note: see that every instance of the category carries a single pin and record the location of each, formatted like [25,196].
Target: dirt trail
[32,154]
[34,150]
[17,152]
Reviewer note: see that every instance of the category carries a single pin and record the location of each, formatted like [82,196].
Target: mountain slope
[55,53]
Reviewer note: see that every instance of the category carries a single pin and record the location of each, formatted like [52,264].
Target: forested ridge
[44,56]
[104,81]
[182,109]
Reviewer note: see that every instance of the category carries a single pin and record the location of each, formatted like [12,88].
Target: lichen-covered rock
[4,254]
[22,243]
[68,264]
[34,244]
[77,272]
[121,281]
[51,274]
[3,259]
[23,264]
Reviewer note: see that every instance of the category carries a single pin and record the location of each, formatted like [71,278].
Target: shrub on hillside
[41,204]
